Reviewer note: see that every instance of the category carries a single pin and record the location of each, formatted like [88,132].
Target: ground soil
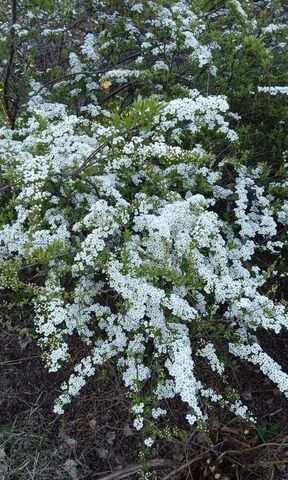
[95,438]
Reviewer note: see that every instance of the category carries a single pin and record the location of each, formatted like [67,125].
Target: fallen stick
[126,472]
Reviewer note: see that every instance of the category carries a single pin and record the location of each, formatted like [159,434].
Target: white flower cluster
[144,237]
[208,352]
[155,53]
[194,112]
[274,90]
[254,354]
[143,267]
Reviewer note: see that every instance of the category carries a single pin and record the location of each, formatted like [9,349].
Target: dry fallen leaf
[103,453]
[92,424]
[24,342]
[127,432]
[3,470]
[71,442]
[106,85]
[110,437]
[70,466]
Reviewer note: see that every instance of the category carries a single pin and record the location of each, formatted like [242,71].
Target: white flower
[148,442]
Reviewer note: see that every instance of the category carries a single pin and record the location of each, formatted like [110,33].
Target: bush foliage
[143,160]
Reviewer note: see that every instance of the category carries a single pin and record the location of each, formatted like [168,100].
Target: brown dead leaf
[2,454]
[70,466]
[93,424]
[24,342]
[110,437]
[106,85]
[127,432]
[103,453]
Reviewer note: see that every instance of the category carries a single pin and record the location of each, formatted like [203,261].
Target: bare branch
[10,108]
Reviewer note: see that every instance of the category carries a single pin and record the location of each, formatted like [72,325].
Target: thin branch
[87,163]
[9,109]
[7,96]
[6,187]
[118,90]
[67,76]
[92,72]
[132,469]
[184,466]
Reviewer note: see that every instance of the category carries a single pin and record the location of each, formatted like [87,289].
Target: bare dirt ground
[95,439]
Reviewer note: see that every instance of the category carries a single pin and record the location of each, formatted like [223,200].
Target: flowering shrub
[136,211]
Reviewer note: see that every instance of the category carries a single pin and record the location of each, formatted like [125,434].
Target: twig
[251,449]
[92,72]
[118,90]
[20,360]
[89,160]
[85,164]
[7,96]
[9,110]
[269,463]
[131,469]
[184,466]
[67,76]
[6,187]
